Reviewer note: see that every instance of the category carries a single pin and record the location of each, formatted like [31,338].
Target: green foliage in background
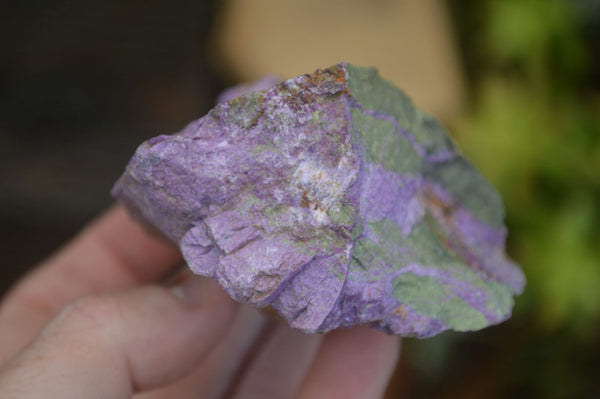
[534,131]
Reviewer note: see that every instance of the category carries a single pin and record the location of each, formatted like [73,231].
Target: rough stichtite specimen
[332,199]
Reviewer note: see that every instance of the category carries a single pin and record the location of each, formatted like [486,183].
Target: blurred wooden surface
[410,41]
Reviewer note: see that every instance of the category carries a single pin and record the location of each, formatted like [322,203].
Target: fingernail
[190,290]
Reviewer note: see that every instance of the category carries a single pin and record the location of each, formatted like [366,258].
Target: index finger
[113,252]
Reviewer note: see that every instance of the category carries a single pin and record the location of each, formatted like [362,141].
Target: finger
[216,374]
[112,252]
[355,363]
[113,345]
[280,367]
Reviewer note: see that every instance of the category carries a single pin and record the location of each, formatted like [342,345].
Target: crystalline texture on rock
[332,199]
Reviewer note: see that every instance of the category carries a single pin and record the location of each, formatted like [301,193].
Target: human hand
[94,321]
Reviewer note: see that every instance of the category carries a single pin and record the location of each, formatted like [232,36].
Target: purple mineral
[333,200]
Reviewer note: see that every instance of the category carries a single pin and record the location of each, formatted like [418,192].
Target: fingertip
[112,252]
[368,358]
[122,343]
[380,343]
[183,334]
[141,248]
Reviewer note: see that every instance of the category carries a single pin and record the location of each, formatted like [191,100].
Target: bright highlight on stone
[330,198]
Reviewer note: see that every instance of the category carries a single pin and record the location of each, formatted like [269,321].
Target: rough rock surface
[332,199]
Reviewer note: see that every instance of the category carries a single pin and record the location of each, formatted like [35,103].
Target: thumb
[115,345]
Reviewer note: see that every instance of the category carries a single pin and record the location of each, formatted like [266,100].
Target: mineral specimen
[330,198]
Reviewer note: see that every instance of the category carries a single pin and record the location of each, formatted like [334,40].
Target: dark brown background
[82,83]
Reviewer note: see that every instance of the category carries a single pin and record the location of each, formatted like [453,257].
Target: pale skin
[100,319]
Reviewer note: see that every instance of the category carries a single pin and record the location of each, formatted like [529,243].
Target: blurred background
[517,82]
